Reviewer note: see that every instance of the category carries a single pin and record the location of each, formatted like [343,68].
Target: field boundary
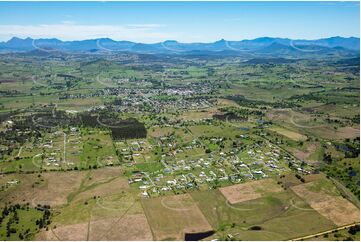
[344,191]
[147,217]
[324,232]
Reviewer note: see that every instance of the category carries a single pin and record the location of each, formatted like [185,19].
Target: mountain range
[263,45]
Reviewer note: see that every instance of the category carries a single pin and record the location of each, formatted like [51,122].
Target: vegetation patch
[175,218]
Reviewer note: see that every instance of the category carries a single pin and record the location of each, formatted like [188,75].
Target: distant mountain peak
[170,42]
[221,41]
[17,39]
[271,44]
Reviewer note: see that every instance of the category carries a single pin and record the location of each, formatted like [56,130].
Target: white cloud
[68,30]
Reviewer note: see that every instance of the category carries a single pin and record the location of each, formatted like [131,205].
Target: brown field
[337,110]
[159,132]
[289,134]
[116,218]
[172,216]
[304,122]
[226,102]
[340,133]
[52,191]
[129,227]
[196,115]
[304,155]
[277,114]
[105,188]
[249,191]
[80,104]
[68,232]
[102,175]
[337,209]
[337,134]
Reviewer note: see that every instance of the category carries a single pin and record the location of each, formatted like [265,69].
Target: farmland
[126,146]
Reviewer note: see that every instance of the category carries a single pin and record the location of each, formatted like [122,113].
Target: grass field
[171,217]
[103,207]
[25,228]
[281,216]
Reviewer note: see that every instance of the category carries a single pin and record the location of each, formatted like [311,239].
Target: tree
[354,229]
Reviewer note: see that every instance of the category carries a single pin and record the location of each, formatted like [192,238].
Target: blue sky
[183,21]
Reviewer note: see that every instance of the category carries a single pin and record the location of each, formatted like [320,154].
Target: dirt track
[325,232]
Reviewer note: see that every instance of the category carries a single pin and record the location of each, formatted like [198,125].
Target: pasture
[170,217]
[277,216]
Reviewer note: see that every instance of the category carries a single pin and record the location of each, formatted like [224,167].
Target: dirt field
[340,133]
[289,134]
[129,227]
[249,191]
[170,217]
[69,232]
[305,122]
[304,155]
[53,190]
[226,102]
[102,189]
[197,115]
[335,208]
[102,175]
[159,132]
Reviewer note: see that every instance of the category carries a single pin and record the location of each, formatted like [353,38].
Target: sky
[150,22]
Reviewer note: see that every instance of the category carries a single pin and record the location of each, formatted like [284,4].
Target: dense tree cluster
[9,218]
[44,221]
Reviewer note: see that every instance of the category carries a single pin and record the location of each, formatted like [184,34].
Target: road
[19,153]
[64,158]
[325,232]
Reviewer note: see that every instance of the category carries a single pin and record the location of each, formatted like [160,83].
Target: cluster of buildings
[254,161]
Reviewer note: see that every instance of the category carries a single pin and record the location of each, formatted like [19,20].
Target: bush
[354,229]
[256,227]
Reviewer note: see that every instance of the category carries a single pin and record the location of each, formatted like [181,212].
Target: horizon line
[222,39]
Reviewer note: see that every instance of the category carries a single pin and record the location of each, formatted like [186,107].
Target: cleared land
[279,216]
[68,232]
[332,206]
[173,216]
[105,188]
[130,227]
[45,188]
[249,191]
[289,134]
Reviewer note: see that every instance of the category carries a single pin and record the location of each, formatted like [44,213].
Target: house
[172,182]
